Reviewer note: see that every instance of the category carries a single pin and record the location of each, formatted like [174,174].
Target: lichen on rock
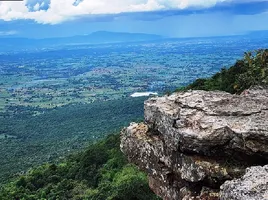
[252,186]
[192,142]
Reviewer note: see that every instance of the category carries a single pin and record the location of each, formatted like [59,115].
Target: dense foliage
[28,141]
[101,172]
[249,71]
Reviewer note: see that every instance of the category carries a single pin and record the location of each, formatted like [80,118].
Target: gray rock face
[197,121]
[252,186]
[192,142]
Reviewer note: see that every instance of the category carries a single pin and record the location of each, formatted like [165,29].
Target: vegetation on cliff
[100,172]
[249,71]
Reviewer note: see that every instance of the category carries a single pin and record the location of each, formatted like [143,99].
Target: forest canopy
[100,172]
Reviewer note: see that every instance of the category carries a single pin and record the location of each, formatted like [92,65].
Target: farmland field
[49,78]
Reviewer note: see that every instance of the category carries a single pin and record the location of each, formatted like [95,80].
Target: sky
[172,18]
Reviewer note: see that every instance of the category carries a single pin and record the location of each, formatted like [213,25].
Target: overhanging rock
[192,142]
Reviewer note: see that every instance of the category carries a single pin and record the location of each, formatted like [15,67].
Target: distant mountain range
[100,37]
[258,34]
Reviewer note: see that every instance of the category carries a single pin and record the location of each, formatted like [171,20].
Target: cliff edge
[201,145]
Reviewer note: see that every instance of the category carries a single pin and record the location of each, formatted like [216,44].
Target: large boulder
[192,142]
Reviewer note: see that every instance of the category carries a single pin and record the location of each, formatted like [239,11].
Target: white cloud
[7,33]
[62,10]
[36,7]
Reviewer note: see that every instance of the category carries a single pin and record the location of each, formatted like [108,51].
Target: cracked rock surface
[253,185]
[192,142]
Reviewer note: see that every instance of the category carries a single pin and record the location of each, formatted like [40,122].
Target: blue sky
[175,18]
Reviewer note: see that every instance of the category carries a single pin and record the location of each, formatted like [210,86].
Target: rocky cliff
[199,145]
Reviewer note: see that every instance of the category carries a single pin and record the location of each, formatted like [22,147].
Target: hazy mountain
[99,37]
[259,34]
[107,37]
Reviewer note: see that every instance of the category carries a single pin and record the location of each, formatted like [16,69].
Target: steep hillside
[251,70]
[100,172]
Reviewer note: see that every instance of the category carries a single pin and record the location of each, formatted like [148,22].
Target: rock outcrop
[253,185]
[192,142]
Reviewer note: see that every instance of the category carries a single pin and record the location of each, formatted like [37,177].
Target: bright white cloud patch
[62,10]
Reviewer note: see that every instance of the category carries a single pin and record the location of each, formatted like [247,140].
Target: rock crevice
[193,142]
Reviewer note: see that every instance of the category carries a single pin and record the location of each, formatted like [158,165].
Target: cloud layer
[57,11]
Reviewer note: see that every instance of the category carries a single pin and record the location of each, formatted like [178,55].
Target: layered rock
[192,142]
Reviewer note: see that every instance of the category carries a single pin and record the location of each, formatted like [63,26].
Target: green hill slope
[249,71]
[100,172]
